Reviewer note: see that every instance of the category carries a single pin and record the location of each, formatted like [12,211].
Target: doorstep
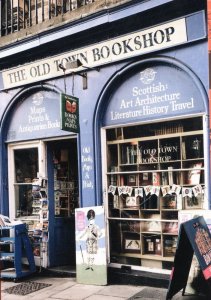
[122,275]
[126,275]
[60,271]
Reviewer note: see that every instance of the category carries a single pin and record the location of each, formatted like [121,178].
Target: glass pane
[26,169]
[154,171]
[26,165]
[23,199]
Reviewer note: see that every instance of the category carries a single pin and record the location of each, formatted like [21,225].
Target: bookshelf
[65,185]
[153,172]
[38,222]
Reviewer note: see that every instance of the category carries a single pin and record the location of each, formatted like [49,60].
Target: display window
[26,169]
[25,165]
[28,200]
[153,171]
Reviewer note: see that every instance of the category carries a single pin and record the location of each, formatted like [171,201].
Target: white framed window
[25,162]
[151,174]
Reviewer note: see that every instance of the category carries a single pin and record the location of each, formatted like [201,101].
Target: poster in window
[194,174]
[132,245]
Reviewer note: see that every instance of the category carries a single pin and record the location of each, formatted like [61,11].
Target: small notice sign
[194,238]
[69,113]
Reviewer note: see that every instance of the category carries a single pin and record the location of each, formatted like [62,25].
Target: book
[194,174]
[45,237]
[170,175]
[131,180]
[119,133]
[183,151]
[153,202]
[156,178]
[164,178]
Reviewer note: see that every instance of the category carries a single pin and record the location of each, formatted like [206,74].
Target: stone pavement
[66,288]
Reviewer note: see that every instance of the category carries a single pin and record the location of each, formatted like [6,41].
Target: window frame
[40,145]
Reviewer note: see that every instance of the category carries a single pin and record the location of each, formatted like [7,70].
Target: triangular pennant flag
[128,190]
[165,190]
[121,190]
[197,190]
[176,189]
[147,189]
[112,189]
[139,192]
[155,190]
[187,192]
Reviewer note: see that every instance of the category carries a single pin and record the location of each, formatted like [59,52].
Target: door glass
[26,169]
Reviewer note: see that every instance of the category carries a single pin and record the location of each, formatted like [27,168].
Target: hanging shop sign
[69,110]
[137,43]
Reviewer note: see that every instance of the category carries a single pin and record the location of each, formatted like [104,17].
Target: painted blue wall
[194,56]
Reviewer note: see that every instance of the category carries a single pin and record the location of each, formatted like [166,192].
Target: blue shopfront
[142,150]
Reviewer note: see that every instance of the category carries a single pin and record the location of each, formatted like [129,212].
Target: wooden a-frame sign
[194,237]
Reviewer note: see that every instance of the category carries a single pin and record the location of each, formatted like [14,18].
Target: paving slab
[152,293]
[77,292]
[124,291]
[102,297]
[68,289]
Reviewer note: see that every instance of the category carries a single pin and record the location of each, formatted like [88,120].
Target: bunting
[150,189]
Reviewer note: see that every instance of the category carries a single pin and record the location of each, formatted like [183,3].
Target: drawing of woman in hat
[93,233]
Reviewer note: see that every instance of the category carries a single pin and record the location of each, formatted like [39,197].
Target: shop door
[62,165]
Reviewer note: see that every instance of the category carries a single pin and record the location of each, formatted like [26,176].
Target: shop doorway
[43,193]
[62,172]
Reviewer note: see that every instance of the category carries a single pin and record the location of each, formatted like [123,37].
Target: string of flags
[155,190]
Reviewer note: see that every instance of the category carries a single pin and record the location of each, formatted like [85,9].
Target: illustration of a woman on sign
[91,262]
[92,233]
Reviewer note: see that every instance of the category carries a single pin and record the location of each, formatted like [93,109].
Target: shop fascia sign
[137,43]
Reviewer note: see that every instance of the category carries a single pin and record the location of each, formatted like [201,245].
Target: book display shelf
[153,172]
[31,202]
[65,185]
[38,222]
